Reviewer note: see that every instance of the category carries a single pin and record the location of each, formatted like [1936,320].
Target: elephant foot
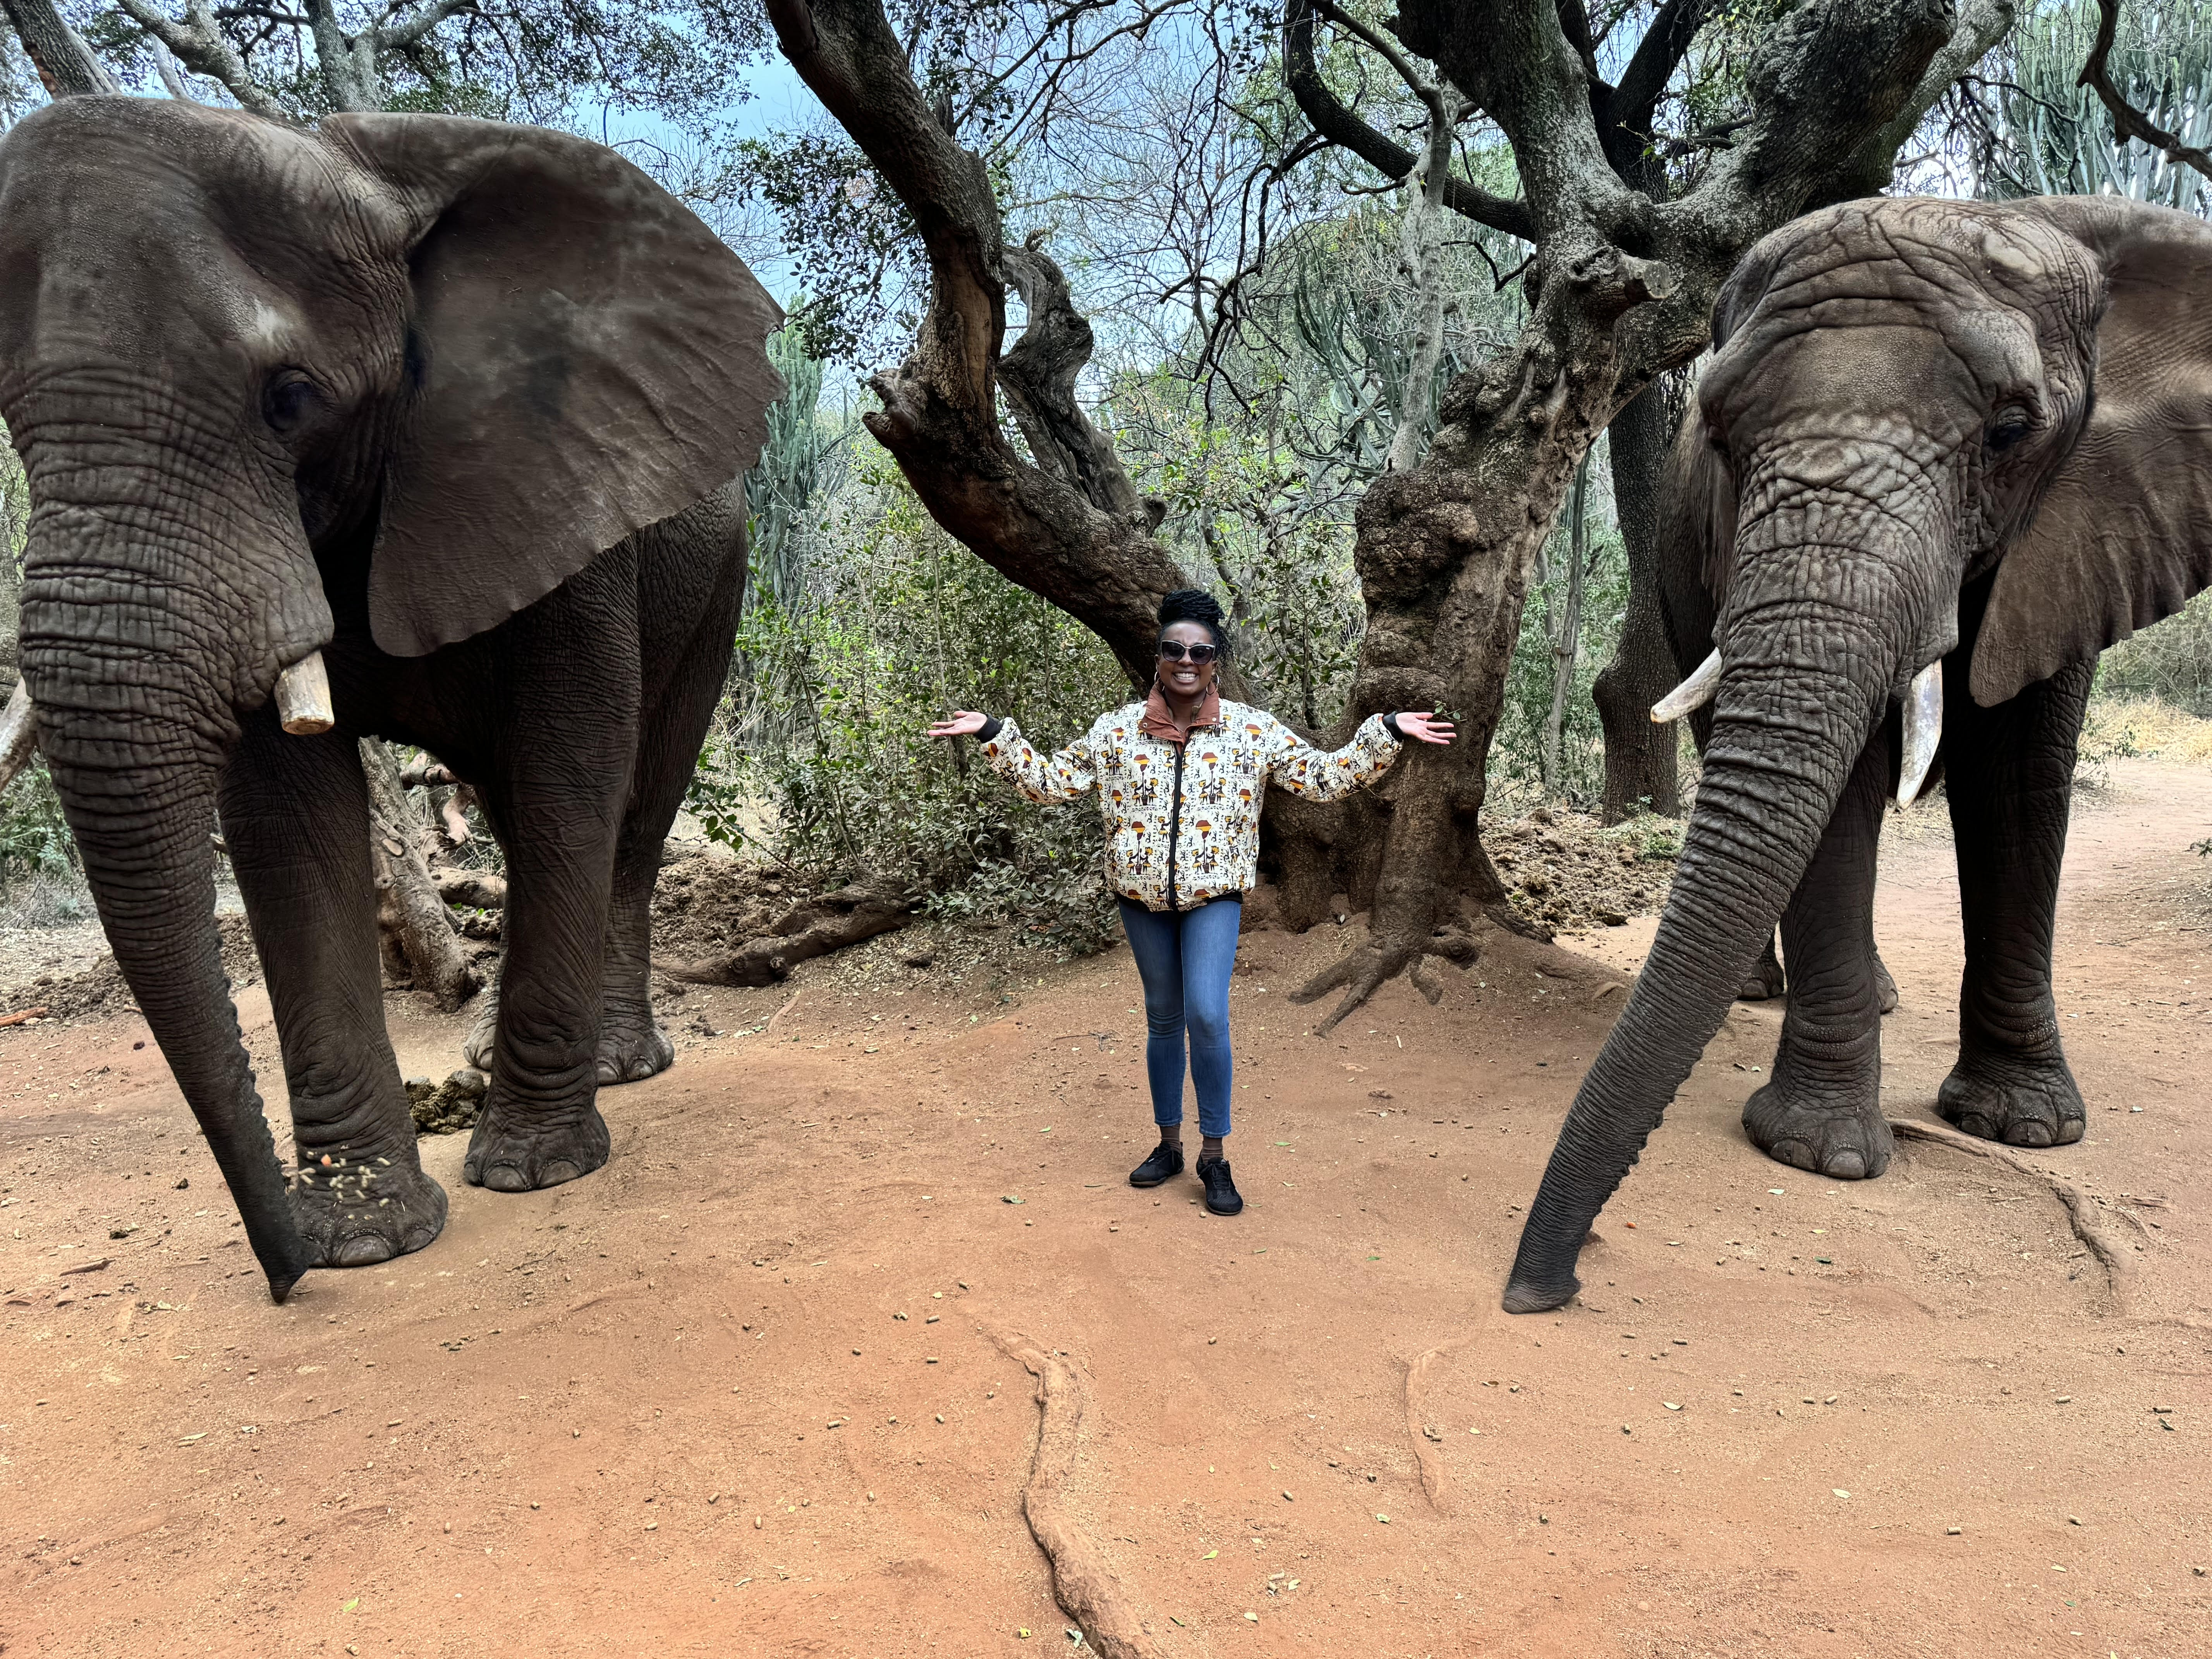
[355,1212]
[1527,1295]
[1765,981]
[633,1047]
[476,1047]
[1845,1139]
[1886,986]
[2018,1101]
[510,1154]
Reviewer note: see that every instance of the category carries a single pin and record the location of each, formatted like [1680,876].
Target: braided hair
[1195,604]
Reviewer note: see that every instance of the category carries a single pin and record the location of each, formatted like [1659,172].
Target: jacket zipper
[1175,825]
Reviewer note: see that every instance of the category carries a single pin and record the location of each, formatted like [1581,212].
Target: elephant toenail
[558,1170]
[506,1178]
[362,1253]
[1847,1166]
[607,1073]
[2028,1133]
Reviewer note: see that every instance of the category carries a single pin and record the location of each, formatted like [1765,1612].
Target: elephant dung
[447,1108]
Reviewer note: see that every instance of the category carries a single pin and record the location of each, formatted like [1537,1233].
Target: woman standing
[1180,779]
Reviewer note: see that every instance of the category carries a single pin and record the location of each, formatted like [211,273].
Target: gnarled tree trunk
[1639,755]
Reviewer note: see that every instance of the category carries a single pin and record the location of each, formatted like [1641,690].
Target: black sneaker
[1221,1195]
[1166,1160]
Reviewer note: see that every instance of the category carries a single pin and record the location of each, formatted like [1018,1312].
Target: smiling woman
[1180,779]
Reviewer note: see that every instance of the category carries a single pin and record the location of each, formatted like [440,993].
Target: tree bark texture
[415,928]
[1566,632]
[65,65]
[1640,771]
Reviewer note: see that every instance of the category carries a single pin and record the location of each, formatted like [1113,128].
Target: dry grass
[2124,727]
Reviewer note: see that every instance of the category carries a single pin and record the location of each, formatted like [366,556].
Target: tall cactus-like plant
[2050,136]
[789,477]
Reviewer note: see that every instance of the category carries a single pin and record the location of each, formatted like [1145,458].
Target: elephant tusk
[19,733]
[303,697]
[1695,692]
[1923,730]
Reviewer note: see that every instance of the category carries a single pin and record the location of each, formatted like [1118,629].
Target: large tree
[1618,286]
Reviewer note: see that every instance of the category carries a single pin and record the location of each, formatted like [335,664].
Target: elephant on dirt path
[1945,453]
[409,426]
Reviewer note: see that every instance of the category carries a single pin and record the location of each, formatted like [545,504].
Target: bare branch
[1512,59]
[2128,121]
[1337,123]
[1631,105]
[390,36]
[200,47]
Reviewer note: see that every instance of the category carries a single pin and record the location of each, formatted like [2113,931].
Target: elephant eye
[2010,426]
[289,401]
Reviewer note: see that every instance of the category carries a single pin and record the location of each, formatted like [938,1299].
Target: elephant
[410,426]
[1943,454]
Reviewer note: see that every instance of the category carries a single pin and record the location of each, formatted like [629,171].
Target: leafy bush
[818,757]
[2171,660]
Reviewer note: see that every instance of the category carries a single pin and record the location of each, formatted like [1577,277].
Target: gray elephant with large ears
[444,415]
[1944,454]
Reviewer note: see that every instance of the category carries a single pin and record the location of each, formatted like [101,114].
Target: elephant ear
[585,359]
[2123,533]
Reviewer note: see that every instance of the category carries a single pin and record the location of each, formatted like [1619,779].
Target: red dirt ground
[674,1409]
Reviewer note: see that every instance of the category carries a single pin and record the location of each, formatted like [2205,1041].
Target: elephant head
[1912,403]
[406,373]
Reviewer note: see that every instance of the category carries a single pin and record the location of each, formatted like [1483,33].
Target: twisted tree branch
[1337,123]
[2128,121]
[200,47]
[1071,529]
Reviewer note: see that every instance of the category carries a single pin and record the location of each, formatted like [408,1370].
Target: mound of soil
[1569,872]
[709,906]
[100,991]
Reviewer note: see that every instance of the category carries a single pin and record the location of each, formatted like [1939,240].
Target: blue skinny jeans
[1184,957]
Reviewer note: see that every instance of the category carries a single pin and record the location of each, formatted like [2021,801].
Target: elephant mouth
[1924,717]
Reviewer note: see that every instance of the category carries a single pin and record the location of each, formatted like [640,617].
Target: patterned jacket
[1183,824]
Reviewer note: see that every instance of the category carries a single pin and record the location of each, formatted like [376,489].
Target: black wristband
[1390,724]
[988,730]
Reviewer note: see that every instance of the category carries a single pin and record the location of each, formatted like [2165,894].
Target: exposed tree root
[1086,1587]
[2081,1208]
[415,928]
[827,922]
[478,889]
[1427,1437]
[1373,961]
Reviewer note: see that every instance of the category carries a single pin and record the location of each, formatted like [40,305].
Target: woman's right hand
[964,723]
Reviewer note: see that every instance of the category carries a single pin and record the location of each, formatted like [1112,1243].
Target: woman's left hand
[1425,727]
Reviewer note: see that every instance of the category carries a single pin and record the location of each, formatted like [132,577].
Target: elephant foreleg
[1822,1109]
[2009,774]
[295,818]
[555,789]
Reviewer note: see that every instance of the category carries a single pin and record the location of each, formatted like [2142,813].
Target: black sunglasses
[1175,650]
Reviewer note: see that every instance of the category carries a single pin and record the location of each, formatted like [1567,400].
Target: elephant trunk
[134,696]
[1801,686]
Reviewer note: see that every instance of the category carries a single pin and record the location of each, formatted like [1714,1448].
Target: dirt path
[763,1387]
